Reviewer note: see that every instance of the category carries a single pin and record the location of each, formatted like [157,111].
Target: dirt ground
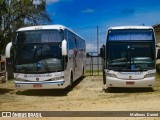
[87,95]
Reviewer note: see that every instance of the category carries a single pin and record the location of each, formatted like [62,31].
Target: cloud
[88,11]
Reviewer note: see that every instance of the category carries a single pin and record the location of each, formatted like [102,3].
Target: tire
[109,90]
[104,78]
[69,88]
[82,73]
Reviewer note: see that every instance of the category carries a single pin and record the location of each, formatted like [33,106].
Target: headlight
[111,75]
[149,75]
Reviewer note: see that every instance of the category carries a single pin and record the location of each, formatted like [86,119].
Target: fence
[93,64]
[2,69]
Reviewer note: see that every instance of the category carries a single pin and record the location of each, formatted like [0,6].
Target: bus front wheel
[104,78]
[68,88]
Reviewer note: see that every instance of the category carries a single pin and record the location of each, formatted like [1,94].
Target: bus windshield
[131,56]
[131,49]
[38,52]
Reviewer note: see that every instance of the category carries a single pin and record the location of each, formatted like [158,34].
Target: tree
[19,13]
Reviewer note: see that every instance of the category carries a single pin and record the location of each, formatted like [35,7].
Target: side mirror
[158,54]
[64,47]
[8,50]
[102,52]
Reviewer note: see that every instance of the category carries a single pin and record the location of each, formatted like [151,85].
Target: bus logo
[130,73]
[37,79]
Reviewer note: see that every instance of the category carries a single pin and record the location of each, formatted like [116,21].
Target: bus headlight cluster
[149,75]
[111,75]
[58,78]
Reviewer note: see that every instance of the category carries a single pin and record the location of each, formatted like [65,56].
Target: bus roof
[130,27]
[42,27]
[46,27]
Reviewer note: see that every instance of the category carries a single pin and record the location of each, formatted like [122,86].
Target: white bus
[129,57]
[47,57]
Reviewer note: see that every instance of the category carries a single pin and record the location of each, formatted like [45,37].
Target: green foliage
[19,13]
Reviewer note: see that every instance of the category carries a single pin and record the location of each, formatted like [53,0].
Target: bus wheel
[82,73]
[69,88]
[108,90]
[104,78]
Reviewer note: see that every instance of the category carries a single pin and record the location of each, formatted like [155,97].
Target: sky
[83,16]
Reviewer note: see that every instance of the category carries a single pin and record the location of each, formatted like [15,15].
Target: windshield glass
[37,58]
[38,51]
[39,36]
[131,56]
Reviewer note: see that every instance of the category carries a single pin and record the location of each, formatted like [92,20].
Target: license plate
[37,85]
[130,83]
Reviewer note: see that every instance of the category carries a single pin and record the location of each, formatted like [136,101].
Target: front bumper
[58,84]
[115,82]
